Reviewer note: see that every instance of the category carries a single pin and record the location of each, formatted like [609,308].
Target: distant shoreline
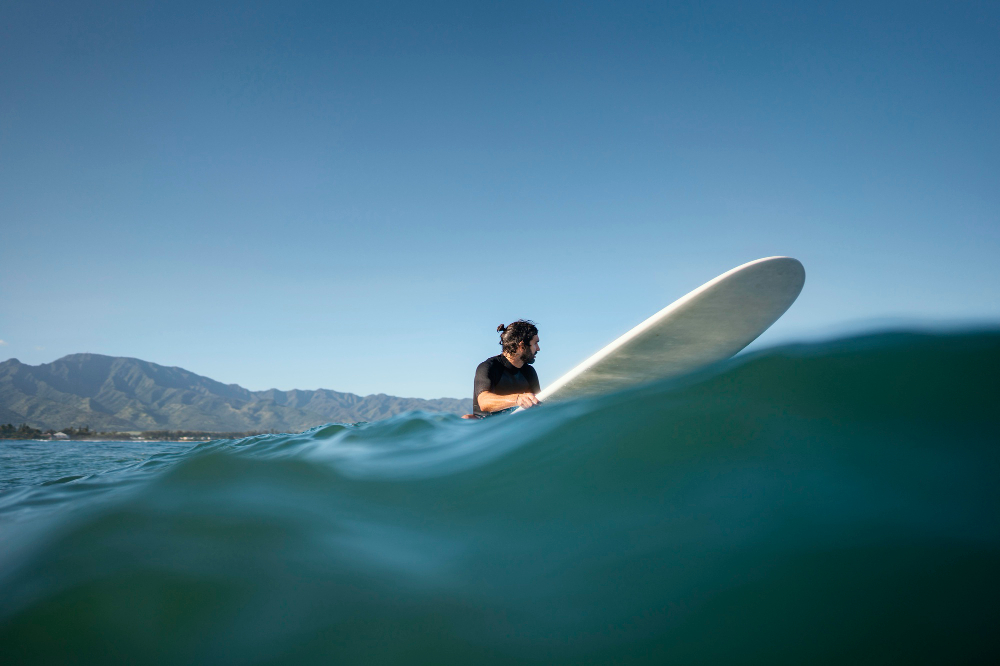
[25,432]
[148,400]
[130,441]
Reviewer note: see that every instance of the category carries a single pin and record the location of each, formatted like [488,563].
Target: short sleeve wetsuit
[498,375]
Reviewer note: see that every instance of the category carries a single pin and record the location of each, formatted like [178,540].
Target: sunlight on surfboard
[711,323]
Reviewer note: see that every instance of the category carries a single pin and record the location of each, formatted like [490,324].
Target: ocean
[836,502]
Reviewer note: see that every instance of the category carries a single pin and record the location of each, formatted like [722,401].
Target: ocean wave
[823,503]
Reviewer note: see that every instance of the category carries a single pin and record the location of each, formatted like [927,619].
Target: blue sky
[304,195]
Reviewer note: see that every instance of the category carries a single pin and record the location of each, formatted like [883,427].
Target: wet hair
[513,334]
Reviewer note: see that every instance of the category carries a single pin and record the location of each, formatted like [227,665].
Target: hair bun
[501,328]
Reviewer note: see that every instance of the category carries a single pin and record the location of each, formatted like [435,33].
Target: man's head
[520,339]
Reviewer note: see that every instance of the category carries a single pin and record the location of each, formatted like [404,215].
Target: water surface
[831,503]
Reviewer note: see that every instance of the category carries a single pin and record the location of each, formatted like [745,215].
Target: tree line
[24,431]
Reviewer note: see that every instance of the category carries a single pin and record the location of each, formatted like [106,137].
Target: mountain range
[124,394]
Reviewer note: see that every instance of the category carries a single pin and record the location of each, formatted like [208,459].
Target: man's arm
[491,402]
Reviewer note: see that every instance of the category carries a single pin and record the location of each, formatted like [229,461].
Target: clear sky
[304,195]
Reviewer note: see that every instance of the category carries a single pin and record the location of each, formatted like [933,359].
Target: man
[508,380]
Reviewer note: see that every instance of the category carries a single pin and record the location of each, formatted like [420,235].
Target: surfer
[508,380]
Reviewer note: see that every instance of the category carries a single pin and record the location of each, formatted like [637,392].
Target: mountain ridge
[123,393]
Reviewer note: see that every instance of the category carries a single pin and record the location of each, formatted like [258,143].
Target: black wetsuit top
[498,375]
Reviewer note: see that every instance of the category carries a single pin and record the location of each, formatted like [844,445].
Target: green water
[823,503]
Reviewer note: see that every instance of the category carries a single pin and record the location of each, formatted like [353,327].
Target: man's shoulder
[489,363]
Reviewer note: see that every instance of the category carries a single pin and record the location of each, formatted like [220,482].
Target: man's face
[528,355]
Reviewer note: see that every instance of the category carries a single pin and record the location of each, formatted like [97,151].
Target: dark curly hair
[513,334]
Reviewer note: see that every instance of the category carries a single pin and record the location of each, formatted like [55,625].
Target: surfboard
[712,323]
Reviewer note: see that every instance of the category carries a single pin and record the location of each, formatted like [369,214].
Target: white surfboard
[710,324]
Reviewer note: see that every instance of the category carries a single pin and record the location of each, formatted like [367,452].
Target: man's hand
[526,400]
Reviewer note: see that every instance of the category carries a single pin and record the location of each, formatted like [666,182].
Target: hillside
[115,393]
